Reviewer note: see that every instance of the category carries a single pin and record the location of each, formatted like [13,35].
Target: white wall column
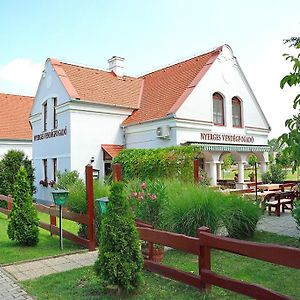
[241,172]
[213,173]
[219,171]
[263,167]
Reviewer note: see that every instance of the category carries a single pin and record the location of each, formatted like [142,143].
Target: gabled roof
[151,96]
[111,149]
[166,89]
[93,85]
[14,117]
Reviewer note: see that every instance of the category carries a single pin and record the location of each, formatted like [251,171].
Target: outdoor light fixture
[102,204]
[60,197]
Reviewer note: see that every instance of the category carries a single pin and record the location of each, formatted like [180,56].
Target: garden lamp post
[60,197]
[102,204]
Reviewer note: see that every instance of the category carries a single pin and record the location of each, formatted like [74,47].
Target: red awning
[112,150]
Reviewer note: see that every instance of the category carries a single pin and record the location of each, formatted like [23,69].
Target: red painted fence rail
[202,245]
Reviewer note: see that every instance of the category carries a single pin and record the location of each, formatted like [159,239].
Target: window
[236,112]
[45,169]
[55,123]
[218,108]
[54,160]
[45,115]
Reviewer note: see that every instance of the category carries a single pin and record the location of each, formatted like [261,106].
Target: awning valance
[231,148]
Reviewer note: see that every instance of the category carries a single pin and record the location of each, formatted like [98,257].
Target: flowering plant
[147,200]
[44,182]
[52,183]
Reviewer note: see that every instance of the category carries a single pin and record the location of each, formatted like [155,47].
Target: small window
[45,115]
[55,122]
[45,169]
[54,160]
[236,113]
[218,108]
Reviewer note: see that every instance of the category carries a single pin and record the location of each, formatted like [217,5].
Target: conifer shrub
[9,167]
[120,260]
[23,220]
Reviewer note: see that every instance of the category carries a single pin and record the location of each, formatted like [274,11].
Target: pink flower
[140,196]
[152,196]
[143,186]
[133,194]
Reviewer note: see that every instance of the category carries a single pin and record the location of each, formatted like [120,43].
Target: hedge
[170,162]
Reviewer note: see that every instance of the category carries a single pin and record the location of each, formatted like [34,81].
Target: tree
[120,259]
[9,167]
[23,222]
[292,139]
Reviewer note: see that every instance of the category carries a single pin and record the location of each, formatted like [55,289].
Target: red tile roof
[14,117]
[152,96]
[103,87]
[166,89]
[112,150]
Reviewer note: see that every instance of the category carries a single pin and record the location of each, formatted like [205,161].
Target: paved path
[10,290]
[37,268]
[283,225]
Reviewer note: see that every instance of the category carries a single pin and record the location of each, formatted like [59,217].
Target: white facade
[85,126]
[19,145]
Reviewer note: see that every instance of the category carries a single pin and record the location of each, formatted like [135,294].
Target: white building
[81,113]
[15,130]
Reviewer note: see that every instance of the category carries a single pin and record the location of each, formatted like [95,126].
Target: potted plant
[147,200]
[52,183]
[44,182]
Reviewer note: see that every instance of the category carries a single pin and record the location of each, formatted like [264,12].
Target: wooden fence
[86,219]
[202,246]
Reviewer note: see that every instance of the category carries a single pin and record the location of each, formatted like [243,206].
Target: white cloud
[20,76]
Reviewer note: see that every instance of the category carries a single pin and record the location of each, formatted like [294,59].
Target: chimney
[116,64]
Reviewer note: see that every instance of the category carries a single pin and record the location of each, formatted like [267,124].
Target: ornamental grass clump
[120,261]
[23,220]
[240,216]
[190,207]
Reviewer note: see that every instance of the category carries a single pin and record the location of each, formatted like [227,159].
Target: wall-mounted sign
[225,138]
[50,134]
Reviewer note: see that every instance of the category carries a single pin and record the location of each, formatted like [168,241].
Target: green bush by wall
[170,162]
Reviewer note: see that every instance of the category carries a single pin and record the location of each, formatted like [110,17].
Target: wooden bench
[283,200]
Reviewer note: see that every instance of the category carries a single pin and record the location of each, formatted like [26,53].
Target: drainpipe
[124,136]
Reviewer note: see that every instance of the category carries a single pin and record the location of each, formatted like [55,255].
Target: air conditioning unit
[163,132]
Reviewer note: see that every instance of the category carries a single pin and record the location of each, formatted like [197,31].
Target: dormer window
[55,122]
[218,109]
[236,112]
[45,115]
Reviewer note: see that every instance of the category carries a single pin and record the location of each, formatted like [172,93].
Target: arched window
[236,112]
[218,107]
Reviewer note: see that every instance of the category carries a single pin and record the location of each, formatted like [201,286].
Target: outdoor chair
[283,200]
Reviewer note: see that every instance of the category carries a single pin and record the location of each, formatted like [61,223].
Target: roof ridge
[96,69]
[17,95]
[177,62]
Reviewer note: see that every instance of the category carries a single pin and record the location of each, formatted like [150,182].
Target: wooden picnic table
[260,195]
[269,187]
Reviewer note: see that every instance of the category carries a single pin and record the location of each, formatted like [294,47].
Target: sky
[149,35]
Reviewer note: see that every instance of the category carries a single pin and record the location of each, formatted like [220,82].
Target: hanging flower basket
[44,182]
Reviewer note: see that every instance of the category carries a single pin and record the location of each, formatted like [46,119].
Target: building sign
[50,134]
[225,138]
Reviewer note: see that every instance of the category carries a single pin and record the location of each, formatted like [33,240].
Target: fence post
[90,206]
[9,204]
[117,172]
[203,259]
[52,218]
[196,171]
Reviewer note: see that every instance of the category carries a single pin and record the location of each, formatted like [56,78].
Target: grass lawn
[230,174]
[47,246]
[83,283]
